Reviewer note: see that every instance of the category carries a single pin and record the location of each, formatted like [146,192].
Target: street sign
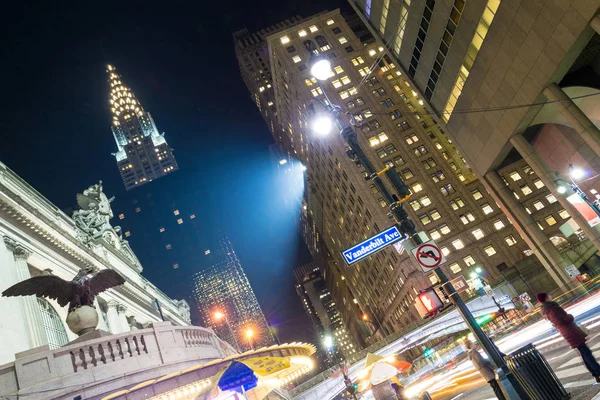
[572,271]
[460,284]
[428,256]
[372,245]
[489,291]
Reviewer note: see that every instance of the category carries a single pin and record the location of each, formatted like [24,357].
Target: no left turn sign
[428,255]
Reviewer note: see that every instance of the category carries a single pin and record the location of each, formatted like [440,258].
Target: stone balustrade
[103,364]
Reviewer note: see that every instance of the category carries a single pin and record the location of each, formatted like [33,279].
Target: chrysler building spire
[142,153]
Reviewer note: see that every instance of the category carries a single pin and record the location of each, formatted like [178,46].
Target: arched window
[56,335]
[322,43]
[310,46]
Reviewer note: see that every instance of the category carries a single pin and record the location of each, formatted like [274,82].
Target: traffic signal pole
[513,389]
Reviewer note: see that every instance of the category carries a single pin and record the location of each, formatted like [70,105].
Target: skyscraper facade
[512,83]
[447,202]
[226,301]
[142,152]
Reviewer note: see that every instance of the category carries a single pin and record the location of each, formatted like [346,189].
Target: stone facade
[38,239]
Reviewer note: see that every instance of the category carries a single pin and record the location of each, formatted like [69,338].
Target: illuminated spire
[123,104]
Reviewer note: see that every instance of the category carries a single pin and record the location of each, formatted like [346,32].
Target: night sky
[179,60]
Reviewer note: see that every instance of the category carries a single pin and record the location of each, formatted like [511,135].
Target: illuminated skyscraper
[142,152]
[226,301]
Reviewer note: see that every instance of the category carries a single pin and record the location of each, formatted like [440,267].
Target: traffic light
[430,300]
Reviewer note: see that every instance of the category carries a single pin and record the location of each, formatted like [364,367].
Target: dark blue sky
[178,58]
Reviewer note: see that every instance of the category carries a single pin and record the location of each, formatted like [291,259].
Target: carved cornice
[19,252]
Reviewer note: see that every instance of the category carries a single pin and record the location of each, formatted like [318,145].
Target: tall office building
[514,84]
[142,152]
[447,201]
[319,305]
[226,301]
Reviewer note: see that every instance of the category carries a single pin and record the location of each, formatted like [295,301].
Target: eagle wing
[105,279]
[49,286]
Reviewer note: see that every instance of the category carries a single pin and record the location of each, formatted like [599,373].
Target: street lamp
[562,187]
[322,125]
[219,315]
[249,336]
[321,70]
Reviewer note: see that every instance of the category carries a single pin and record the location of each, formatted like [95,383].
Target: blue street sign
[372,245]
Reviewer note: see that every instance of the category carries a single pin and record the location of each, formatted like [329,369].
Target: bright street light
[478,270]
[576,173]
[282,161]
[322,125]
[365,317]
[561,189]
[473,275]
[328,341]
[249,333]
[218,315]
[321,69]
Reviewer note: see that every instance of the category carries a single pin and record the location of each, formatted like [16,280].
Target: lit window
[175,266]
[538,183]
[121,216]
[343,40]
[415,205]
[372,52]
[476,194]
[373,141]
[526,189]
[382,136]
[137,209]
[458,244]
[455,268]
[425,201]
[344,95]
[515,176]
[510,240]
[296,59]
[563,214]
[313,28]
[487,209]
[338,69]
[302,33]
[168,247]
[433,279]
[192,216]
[498,224]
[336,84]
[478,233]
[180,221]
[469,260]
[330,22]
[489,250]
[551,199]
[176,212]
[435,215]
[538,205]
[285,40]
[425,219]
[417,187]
[550,220]
[445,229]
[345,80]
[445,251]
[161,230]
[357,61]
[434,234]
[127,234]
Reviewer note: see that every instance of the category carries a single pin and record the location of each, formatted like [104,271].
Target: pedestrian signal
[430,300]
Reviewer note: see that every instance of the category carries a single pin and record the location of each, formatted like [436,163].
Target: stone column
[113,316]
[122,308]
[573,114]
[529,230]
[29,306]
[549,178]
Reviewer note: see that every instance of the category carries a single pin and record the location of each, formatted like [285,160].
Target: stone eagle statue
[81,291]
